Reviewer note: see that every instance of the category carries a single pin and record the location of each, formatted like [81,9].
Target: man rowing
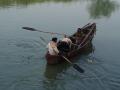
[52,47]
[67,40]
[64,45]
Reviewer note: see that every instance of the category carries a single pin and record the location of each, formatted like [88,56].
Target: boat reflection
[54,71]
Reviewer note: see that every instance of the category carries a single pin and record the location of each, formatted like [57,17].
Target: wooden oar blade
[78,68]
[28,28]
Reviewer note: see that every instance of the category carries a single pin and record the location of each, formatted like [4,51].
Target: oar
[86,37]
[75,66]
[43,39]
[33,29]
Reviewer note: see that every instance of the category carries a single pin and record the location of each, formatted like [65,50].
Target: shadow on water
[102,8]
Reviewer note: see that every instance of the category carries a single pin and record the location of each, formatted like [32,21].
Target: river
[22,62]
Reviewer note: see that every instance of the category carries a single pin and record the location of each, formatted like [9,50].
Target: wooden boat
[81,39]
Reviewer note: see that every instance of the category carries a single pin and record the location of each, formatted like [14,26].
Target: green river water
[22,62]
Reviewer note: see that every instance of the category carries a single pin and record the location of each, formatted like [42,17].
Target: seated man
[79,35]
[52,47]
[66,39]
[79,32]
[65,44]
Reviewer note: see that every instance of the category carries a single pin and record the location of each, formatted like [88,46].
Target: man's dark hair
[54,39]
[79,30]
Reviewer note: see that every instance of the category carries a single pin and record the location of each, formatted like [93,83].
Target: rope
[86,37]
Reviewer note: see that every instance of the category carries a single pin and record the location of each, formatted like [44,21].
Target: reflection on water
[7,3]
[102,8]
[53,71]
[96,8]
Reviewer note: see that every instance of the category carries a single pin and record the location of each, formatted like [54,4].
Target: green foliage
[6,3]
[102,8]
